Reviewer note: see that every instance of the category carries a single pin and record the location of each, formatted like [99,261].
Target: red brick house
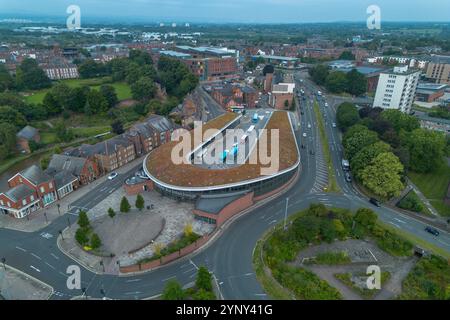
[30,190]
[85,170]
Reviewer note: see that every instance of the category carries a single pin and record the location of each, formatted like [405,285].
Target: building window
[42,189]
[24,202]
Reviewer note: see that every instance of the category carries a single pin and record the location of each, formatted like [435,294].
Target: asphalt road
[229,257]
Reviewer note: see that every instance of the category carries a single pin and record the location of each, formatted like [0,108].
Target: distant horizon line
[125,20]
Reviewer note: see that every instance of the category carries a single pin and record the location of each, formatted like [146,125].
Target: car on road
[375,202]
[348,177]
[326,104]
[309,125]
[334,125]
[305,135]
[433,231]
[311,152]
[113,175]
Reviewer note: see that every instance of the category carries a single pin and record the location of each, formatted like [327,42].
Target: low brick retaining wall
[167,259]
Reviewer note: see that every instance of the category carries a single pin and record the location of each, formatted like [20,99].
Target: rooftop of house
[35,175]
[71,164]
[28,133]
[19,192]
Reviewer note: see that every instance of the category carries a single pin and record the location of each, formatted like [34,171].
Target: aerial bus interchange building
[223,189]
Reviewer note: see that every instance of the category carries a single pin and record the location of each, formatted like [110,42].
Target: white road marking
[36,256]
[401,221]
[21,249]
[34,268]
[50,266]
[166,279]
[272,222]
[54,256]
[132,293]
[192,262]
[133,280]
[394,224]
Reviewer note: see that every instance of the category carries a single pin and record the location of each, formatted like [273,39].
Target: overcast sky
[263,11]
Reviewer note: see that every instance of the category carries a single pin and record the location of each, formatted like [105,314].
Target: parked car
[375,202]
[113,175]
[432,230]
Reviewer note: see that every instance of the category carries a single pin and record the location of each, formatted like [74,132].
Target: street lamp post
[45,215]
[59,210]
[103,265]
[285,214]
[68,222]
[103,293]
[61,234]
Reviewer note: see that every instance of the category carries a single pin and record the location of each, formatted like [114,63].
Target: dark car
[311,152]
[433,231]
[375,202]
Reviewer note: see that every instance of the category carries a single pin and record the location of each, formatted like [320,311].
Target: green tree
[400,120]
[426,150]
[347,55]
[173,291]
[97,102]
[204,295]
[81,236]
[143,89]
[365,156]
[347,115]
[6,80]
[109,93]
[91,69]
[358,138]
[366,218]
[117,126]
[7,140]
[124,205]
[336,82]
[111,213]
[12,116]
[319,74]
[204,279]
[63,133]
[383,175]
[140,202]
[51,104]
[29,76]
[356,83]
[95,241]
[83,220]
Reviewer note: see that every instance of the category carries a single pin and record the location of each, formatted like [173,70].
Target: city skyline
[214,11]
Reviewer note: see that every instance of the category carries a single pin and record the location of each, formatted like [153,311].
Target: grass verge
[332,183]
[434,186]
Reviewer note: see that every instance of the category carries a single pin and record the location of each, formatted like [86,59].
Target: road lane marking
[398,220]
[132,293]
[166,279]
[133,280]
[36,256]
[21,249]
[34,268]
[50,266]
[394,224]
[54,256]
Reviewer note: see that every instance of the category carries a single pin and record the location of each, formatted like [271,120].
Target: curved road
[230,256]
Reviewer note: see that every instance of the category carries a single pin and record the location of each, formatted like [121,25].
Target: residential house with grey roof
[25,136]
